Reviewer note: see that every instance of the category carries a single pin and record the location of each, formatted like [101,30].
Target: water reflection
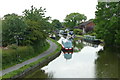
[78,45]
[40,74]
[68,54]
[107,64]
[81,65]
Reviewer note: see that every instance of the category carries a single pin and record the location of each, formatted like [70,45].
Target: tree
[13,29]
[37,23]
[56,24]
[107,22]
[77,31]
[74,19]
[0,32]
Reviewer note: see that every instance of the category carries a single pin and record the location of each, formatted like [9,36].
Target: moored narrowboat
[67,45]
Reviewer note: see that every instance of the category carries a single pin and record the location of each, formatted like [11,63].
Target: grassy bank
[11,74]
[15,55]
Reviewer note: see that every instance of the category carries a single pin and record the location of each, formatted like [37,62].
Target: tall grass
[14,56]
[11,56]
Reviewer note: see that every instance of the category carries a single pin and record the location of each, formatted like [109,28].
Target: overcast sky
[57,9]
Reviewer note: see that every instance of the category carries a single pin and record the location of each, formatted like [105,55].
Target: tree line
[32,27]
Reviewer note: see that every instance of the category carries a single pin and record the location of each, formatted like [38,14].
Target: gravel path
[52,48]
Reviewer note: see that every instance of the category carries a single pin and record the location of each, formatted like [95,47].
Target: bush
[13,56]
[91,33]
[13,46]
[77,31]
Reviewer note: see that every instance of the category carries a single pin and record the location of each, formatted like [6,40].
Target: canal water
[87,61]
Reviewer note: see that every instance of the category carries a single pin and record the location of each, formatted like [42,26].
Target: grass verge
[13,73]
[11,57]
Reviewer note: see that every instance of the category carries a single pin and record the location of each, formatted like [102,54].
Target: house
[86,26]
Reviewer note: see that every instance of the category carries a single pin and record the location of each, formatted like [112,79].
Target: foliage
[91,33]
[13,29]
[0,32]
[91,20]
[13,46]
[56,24]
[37,23]
[24,36]
[74,19]
[28,29]
[12,56]
[107,23]
[77,31]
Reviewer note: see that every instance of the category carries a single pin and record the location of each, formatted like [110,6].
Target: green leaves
[74,19]
[107,22]
[117,35]
[27,29]
[56,24]
[77,31]
[13,29]
[37,23]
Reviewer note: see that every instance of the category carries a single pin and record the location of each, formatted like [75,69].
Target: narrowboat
[67,45]
[91,39]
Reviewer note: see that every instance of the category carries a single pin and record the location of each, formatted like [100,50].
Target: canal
[86,61]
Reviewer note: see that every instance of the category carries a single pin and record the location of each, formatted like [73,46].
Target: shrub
[12,55]
[13,46]
[77,31]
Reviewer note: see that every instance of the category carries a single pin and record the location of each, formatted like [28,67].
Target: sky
[57,9]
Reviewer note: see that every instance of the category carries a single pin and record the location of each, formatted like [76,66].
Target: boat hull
[68,50]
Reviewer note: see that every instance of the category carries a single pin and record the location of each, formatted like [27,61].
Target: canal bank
[26,66]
